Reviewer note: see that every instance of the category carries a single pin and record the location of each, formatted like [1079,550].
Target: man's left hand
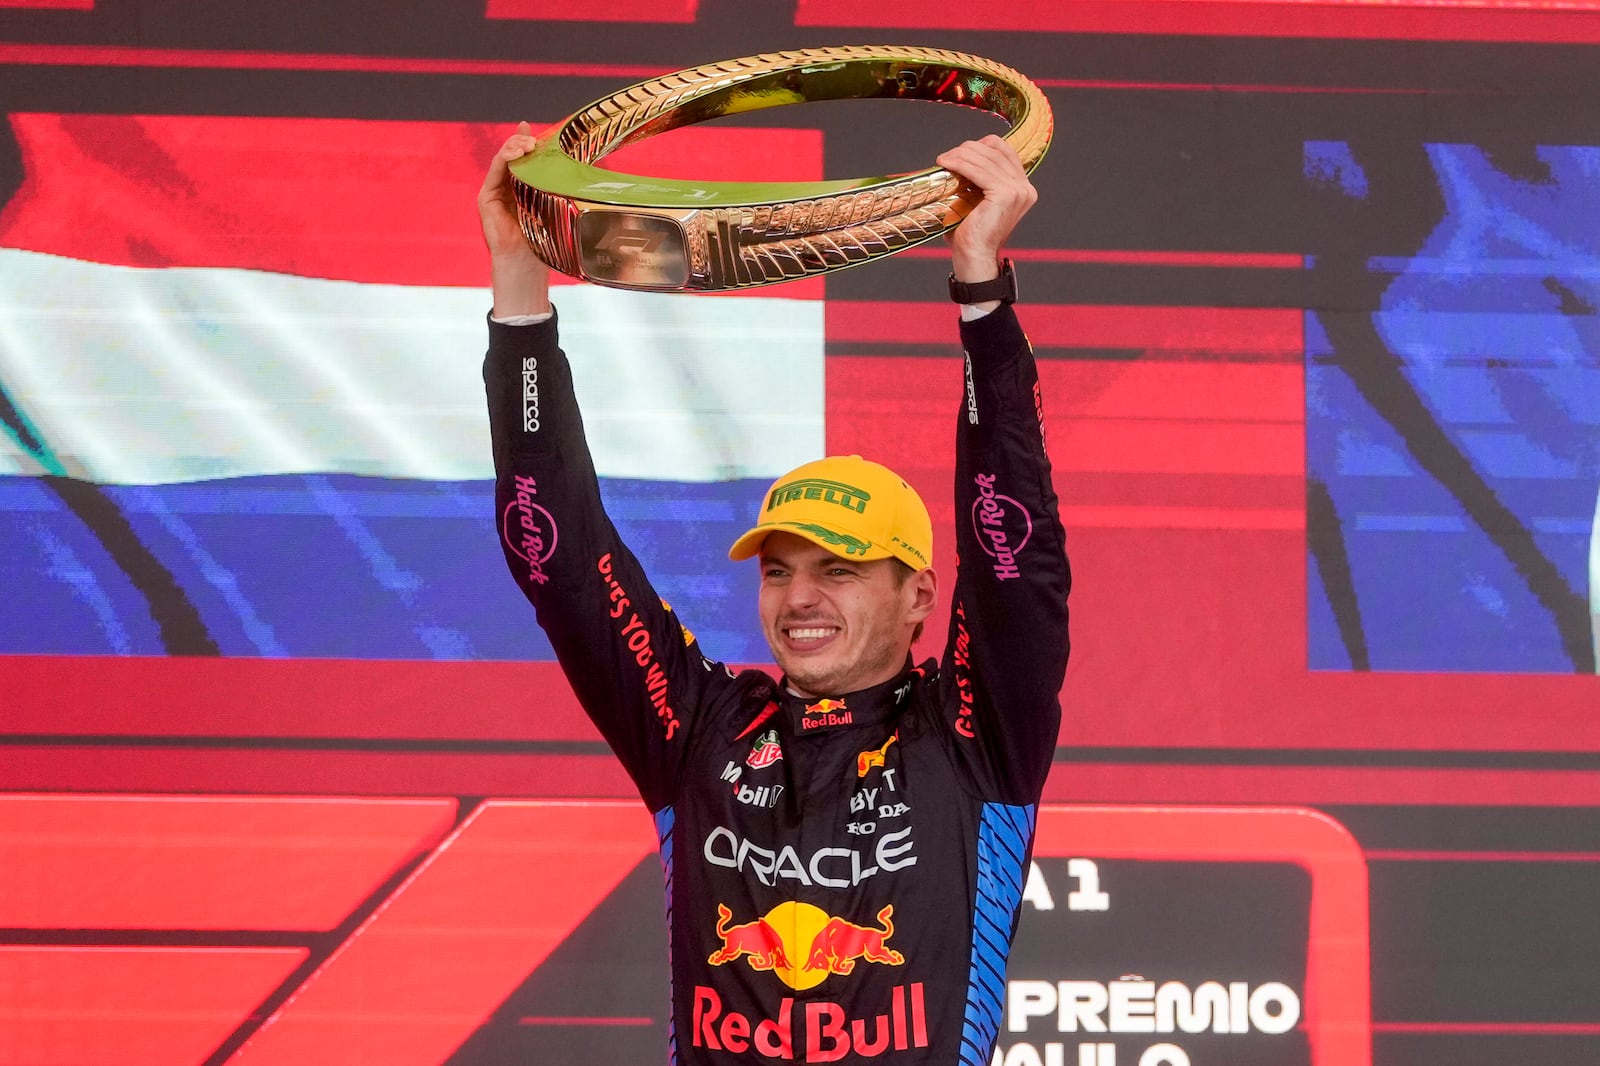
[992,166]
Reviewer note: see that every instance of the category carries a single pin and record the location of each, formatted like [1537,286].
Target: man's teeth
[812,633]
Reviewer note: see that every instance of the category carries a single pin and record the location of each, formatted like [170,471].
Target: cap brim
[838,542]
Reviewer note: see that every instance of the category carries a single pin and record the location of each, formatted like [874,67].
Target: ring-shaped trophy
[663,235]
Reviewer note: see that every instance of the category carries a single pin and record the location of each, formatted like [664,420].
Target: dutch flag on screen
[242,406]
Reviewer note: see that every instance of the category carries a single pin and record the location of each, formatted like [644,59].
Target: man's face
[837,625]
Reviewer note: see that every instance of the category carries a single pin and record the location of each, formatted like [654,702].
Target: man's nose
[801,590]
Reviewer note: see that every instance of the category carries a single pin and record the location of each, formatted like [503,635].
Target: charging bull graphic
[841,943]
[831,945]
[756,939]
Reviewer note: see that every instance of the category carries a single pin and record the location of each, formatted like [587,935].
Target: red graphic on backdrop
[447,945]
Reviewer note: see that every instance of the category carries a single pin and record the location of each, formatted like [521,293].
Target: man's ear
[922,590]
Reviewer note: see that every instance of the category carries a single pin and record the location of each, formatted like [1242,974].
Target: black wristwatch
[1003,288]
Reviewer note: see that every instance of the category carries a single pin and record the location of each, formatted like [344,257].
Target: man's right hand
[520,280]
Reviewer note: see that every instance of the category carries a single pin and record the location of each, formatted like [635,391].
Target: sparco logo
[532,536]
[1003,527]
[530,395]
[972,393]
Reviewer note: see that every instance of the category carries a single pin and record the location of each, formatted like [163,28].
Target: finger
[987,153]
[517,146]
[994,140]
[978,166]
[996,174]
[994,158]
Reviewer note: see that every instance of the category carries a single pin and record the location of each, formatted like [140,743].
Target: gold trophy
[661,235]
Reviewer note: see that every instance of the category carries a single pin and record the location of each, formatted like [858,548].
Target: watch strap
[1002,288]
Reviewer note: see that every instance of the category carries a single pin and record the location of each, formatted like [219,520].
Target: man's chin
[805,685]
[804,678]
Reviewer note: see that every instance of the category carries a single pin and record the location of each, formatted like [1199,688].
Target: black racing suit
[843,875]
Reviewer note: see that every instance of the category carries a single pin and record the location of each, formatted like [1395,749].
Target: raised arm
[519,279]
[638,673]
[1007,649]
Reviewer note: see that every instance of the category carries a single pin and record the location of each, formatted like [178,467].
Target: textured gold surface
[599,225]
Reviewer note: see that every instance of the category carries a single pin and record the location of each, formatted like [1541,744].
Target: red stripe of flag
[355,200]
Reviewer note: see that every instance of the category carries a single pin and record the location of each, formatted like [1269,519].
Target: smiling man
[845,583]
[845,845]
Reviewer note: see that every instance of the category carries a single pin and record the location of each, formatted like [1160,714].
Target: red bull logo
[866,760]
[825,712]
[803,944]
[830,1033]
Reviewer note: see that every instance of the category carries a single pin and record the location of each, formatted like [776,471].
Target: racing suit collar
[865,707]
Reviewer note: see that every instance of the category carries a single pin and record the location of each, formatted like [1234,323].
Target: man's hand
[520,280]
[992,166]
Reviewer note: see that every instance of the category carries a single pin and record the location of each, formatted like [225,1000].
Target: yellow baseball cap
[853,507]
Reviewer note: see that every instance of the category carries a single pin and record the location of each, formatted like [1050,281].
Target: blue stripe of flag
[343,566]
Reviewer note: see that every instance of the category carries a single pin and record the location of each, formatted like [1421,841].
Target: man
[845,847]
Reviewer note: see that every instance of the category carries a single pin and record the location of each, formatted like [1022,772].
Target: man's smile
[810,634]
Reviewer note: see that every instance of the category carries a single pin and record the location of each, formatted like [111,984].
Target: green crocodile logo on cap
[851,545]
